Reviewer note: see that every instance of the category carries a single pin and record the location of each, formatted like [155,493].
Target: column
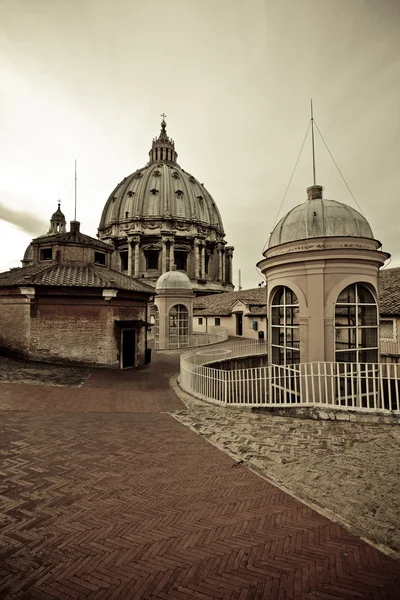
[171,254]
[229,256]
[223,265]
[219,251]
[164,257]
[203,261]
[196,260]
[130,256]
[136,258]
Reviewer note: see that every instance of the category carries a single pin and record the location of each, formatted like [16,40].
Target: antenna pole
[313,145]
[75,193]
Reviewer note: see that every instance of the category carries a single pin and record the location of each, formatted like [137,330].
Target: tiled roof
[389,291]
[67,275]
[73,237]
[221,304]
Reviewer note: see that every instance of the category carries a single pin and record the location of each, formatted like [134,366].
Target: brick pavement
[104,495]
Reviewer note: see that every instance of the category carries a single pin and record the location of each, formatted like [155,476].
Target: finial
[59,204]
[163,123]
[312,137]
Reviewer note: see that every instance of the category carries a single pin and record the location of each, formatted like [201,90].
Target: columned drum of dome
[159,216]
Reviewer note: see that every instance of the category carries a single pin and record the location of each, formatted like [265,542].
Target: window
[217,322]
[207,262]
[100,258]
[178,326]
[387,329]
[253,324]
[285,328]
[356,326]
[200,320]
[180,260]
[46,253]
[124,260]
[152,260]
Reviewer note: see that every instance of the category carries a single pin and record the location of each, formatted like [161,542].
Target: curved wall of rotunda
[161,215]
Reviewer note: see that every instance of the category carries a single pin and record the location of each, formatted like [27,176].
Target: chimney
[74,226]
[314,192]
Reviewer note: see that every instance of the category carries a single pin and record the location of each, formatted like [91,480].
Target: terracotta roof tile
[389,291]
[67,275]
[221,304]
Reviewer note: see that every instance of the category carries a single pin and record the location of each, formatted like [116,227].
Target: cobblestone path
[104,496]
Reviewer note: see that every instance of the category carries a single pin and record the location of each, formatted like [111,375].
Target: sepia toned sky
[88,79]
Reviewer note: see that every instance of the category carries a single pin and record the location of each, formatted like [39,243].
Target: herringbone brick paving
[104,496]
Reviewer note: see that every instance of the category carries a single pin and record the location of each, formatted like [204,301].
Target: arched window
[285,328]
[178,326]
[356,326]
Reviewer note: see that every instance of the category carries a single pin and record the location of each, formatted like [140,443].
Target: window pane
[275,335]
[345,338]
[364,295]
[367,315]
[368,338]
[291,297]
[349,357]
[345,316]
[279,297]
[368,356]
[347,296]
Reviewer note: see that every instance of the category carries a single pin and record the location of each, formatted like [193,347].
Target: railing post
[226,374]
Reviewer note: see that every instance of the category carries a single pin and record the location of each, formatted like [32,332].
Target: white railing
[365,387]
[391,347]
[194,341]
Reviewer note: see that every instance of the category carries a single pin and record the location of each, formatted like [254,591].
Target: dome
[318,217]
[58,215]
[173,280]
[28,256]
[161,190]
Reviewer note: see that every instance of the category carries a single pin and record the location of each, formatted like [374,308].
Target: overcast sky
[88,79]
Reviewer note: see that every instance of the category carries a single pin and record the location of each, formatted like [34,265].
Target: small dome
[28,256]
[58,215]
[319,217]
[173,280]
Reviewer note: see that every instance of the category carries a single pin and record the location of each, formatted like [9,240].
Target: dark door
[128,348]
[239,324]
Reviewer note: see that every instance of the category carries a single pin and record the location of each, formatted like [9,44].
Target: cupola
[163,148]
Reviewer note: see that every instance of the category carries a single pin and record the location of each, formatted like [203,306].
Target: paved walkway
[104,495]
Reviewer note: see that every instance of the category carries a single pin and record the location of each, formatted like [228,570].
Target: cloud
[24,220]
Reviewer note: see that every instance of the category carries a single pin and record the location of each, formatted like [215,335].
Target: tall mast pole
[313,145]
[75,193]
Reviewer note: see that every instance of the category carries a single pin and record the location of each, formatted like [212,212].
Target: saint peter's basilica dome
[159,216]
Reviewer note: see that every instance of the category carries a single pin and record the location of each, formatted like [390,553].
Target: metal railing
[194,341]
[364,387]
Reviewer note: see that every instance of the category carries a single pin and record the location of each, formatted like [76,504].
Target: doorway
[128,348]
[239,324]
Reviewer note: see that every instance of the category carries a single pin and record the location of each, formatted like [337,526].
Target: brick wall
[83,330]
[14,323]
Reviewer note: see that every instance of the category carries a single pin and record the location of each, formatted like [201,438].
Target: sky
[89,79]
